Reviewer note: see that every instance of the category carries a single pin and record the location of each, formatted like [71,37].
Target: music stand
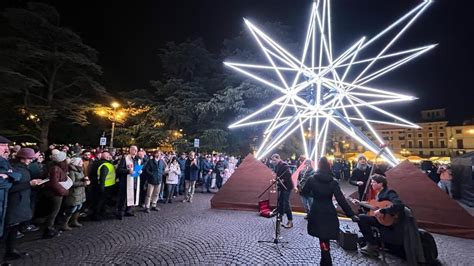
[279,217]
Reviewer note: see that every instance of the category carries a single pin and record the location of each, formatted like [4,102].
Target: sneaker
[19,235]
[370,250]
[185,200]
[155,209]
[30,228]
[147,210]
[190,200]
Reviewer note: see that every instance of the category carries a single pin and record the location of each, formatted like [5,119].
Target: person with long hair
[322,219]
[174,172]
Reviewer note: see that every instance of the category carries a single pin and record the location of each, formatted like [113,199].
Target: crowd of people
[64,184]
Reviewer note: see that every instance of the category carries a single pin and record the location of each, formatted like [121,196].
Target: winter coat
[303,178]
[322,219]
[56,174]
[5,185]
[155,169]
[77,193]
[282,171]
[173,174]
[207,166]
[192,170]
[220,167]
[182,164]
[18,207]
[360,175]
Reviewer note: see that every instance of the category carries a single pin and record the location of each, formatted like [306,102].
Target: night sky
[128,34]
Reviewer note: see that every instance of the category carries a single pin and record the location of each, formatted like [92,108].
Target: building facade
[460,139]
[434,137]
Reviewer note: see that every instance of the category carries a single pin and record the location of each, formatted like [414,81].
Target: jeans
[180,185]
[171,188]
[73,209]
[206,185]
[190,186]
[445,185]
[284,204]
[307,202]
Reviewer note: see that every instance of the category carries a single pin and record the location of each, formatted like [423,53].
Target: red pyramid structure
[434,210]
[248,181]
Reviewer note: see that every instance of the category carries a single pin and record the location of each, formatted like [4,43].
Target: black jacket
[360,175]
[322,219]
[282,171]
[19,208]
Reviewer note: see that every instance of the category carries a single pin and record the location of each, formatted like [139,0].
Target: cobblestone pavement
[192,233]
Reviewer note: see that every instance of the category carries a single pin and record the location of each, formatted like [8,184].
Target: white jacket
[173,174]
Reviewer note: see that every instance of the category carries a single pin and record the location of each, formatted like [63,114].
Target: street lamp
[114,105]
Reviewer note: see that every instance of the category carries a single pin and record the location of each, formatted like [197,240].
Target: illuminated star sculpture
[321,89]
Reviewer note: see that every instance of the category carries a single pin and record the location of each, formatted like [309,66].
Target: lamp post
[114,105]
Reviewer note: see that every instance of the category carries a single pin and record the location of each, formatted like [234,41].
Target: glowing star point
[322,89]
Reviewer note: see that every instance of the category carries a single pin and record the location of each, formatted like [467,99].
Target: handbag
[67,184]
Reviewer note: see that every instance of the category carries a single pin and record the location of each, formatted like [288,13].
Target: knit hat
[4,140]
[58,156]
[361,156]
[76,161]
[26,153]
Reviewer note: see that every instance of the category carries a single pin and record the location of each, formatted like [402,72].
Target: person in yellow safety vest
[105,181]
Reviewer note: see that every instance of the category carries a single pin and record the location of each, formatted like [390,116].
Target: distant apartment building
[460,138]
[435,137]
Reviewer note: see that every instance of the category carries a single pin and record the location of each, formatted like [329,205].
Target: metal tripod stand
[279,217]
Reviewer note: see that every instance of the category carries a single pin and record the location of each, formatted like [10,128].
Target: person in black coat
[282,171]
[360,175]
[322,219]
[392,235]
[19,209]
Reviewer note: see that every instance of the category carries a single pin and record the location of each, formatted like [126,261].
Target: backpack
[430,250]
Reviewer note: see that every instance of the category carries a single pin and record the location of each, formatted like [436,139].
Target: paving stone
[184,234]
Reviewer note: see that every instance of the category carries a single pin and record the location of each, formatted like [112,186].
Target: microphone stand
[279,217]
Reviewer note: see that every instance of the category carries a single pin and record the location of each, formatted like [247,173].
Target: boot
[65,224]
[75,222]
[370,250]
[288,225]
[326,259]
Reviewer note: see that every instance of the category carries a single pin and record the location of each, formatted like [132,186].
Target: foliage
[46,68]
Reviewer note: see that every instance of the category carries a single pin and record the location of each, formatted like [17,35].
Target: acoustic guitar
[373,205]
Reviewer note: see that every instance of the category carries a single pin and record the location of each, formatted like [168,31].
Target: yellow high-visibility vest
[110,178]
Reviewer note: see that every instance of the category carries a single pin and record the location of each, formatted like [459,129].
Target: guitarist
[392,235]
